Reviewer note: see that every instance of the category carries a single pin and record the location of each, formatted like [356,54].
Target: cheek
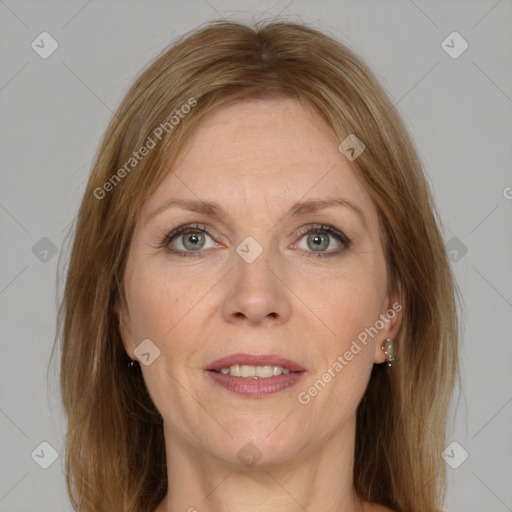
[351,303]
[356,308]
[159,313]
[350,309]
[155,304]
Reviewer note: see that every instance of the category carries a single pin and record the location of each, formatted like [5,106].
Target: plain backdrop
[456,101]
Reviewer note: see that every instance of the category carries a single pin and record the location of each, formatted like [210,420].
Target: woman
[259,312]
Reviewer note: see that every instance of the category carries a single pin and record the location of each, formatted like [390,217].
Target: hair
[115,456]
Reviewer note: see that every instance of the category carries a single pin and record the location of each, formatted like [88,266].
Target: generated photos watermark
[145,149]
[304,397]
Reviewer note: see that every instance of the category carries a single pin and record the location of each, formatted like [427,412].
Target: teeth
[255,372]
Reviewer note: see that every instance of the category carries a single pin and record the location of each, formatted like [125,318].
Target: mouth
[255,375]
[253,372]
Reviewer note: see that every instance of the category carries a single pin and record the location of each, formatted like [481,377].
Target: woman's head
[257,121]
[256,282]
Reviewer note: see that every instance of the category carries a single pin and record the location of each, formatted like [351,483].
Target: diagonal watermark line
[303,196]
[421,79]
[69,223]
[14,423]
[484,219]
[12,280]
[410,89]
[281,422]
[417,418]
[493,287]
[301,300]
[424,14]
[199,403]
[14,76]
[84,416]
[76,214]
[284,9]
[503,407]
[492,81]
[497,497]
[217,486]
[14,486]
[5,5]
[206,1]
[222,277]
[427,484]
[87,87]
[175,175]
[286,491]
[73,17]
[499,1]
[13,217]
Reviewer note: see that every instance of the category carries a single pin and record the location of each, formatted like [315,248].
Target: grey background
[54,111]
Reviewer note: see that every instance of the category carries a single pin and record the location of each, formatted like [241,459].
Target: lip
[255,388]
[255,360]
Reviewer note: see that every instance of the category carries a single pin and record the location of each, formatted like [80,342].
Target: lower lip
[256,388]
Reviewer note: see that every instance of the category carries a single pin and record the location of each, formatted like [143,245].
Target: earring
[389,351]
[133,364]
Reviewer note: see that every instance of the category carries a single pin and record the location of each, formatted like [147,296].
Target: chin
[249,448]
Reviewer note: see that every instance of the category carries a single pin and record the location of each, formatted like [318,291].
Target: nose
[257,291]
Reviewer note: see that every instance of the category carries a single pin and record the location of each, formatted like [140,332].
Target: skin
[256,158]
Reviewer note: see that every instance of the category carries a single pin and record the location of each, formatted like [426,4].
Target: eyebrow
[299,208]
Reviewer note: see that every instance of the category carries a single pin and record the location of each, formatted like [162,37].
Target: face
[258,277]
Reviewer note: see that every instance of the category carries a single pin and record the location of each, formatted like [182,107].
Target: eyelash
[320,228]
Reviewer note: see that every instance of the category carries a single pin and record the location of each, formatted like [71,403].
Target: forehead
[257,153]
[260,137]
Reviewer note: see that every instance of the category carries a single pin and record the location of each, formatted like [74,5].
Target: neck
[318,478]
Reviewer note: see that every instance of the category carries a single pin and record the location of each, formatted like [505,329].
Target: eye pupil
[317,240]
[194,238]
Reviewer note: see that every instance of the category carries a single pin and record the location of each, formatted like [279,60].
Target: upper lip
[255,360]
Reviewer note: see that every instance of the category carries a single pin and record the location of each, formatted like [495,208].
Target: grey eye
[193,240]
[318,241]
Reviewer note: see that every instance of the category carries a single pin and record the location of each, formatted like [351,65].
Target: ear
[124,325]
[391,317]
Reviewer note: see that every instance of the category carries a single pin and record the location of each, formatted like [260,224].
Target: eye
[318,239]
[191,238]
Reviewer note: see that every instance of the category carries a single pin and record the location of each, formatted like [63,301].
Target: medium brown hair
[115,457]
